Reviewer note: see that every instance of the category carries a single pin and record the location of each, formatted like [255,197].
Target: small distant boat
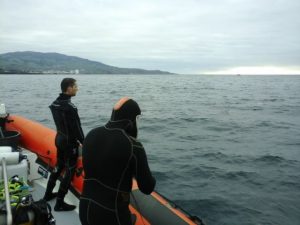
[147,209]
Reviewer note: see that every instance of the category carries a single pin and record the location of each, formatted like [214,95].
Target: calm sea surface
[225,148]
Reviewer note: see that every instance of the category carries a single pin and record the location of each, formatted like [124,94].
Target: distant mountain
[55,63]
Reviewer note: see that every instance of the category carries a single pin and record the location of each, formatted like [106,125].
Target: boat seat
[16,165]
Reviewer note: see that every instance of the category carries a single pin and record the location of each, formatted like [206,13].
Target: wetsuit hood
[124,116]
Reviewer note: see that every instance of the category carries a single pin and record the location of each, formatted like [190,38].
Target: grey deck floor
[39,185]
[62,218]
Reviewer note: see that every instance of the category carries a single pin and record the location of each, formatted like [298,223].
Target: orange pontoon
[148,209]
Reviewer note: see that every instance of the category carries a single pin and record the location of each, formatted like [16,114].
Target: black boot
[50,186]
[62,206]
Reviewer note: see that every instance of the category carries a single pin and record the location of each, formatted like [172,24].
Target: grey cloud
[179,35]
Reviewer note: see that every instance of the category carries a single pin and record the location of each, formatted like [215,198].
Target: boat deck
[62,218]
[39,184]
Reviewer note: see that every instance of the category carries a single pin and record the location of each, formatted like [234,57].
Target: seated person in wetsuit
[112,156]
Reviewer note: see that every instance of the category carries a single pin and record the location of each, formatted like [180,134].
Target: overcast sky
[183,36]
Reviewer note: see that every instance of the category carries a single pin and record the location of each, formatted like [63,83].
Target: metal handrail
[7,198]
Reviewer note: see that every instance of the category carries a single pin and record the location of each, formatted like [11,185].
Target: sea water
[224,148]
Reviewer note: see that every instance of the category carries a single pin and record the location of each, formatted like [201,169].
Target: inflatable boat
[146,209]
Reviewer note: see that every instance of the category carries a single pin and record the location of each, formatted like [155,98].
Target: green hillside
[52,63]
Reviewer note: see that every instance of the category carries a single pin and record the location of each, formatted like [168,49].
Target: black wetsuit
[69,132]
[111,158]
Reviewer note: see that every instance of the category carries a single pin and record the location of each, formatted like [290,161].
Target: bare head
[69,86]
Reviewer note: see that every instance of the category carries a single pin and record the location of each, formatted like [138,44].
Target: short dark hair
[67,82]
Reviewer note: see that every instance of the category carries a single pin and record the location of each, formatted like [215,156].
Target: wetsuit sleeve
[146,182]
[74,125]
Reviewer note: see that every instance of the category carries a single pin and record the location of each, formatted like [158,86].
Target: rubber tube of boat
[10,157]
[5,149]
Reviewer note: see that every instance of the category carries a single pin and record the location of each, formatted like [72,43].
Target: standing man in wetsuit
[68,138]
[112,156]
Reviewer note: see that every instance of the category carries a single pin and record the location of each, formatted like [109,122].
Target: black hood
[124,116]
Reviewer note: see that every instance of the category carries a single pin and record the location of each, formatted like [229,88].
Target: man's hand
[79,144]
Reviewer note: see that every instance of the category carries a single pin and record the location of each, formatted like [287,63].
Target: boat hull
[148,209]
